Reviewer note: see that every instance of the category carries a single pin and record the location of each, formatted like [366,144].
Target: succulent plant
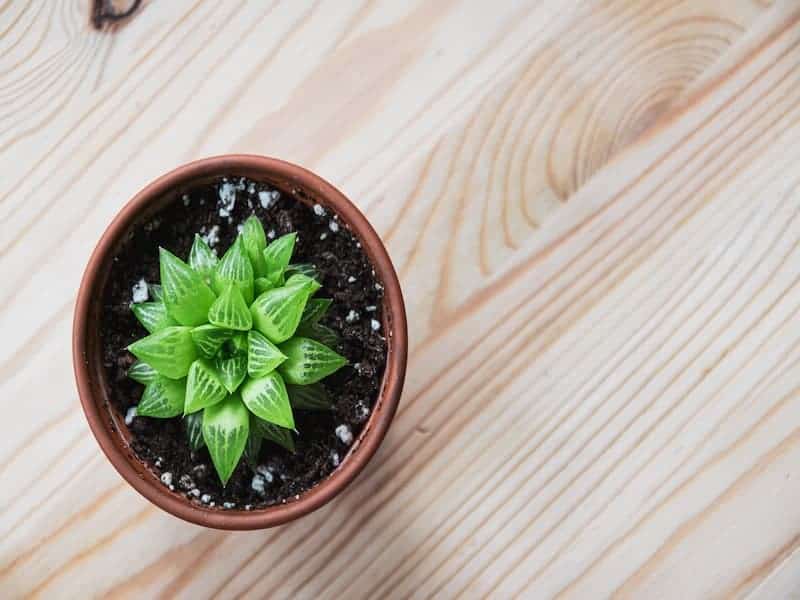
[235,344]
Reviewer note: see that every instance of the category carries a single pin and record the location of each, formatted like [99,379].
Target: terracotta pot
[108,425]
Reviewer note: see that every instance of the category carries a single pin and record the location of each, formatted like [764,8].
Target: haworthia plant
[225,350]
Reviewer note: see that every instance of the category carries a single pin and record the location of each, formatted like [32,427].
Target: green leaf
[155,291]
[202,258]
[203,387]
[255,242]
[307,283]
[273,433]
[142,373]
[239,342]
[278,254]
[253,447]
[276,312]
[262,355]
[309,397]
[315,310]
[308,361]
[153,316]
[235,268]
[319,332]
[231,371]
[306,269]
[186,295]
[194,430]
[162,399]
[209,339]
[266,398]
[170,351]
[262,284]
[230,310]
[226,426]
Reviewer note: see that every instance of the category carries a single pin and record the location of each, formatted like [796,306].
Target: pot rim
[106,424]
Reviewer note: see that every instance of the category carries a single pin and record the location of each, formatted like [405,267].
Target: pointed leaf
[226,426]
[231,371]
[278,254]
[186,295]
[142,373]
[155,291]
[308,361]
[276,312]
[162,399]
[262,284]
[153,316]
[255,241]
[239,342]
[194,430]
[209,339]
[307,283]
[309,397]
[235,268]
[319,332]
[273,433]
[315,310]
[170,351]
[253,447]
[230,311]
[262,355]
[306,269]
[202,258]
[203,387]
[266,398]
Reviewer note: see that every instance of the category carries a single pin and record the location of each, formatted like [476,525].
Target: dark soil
[346,276]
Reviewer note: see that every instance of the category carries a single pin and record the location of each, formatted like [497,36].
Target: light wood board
[594,207]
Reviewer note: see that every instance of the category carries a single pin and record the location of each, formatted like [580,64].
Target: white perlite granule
[351,279]
[271,234]
[139,292]
[185,199]
[227,199]
[266,473]
[205,498]
[130,415]
[166,478]
[323,235]
[375,324]
[194,492]
[333,226]
[240,228]
[318,210]
[228,505]
[352,316]
[258,484]
[362,411]
[264,199]
[344,434]
[211,237]
[334,458]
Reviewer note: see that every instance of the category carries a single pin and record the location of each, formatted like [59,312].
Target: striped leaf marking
[209,339]
[277,256]
[235,268]
[226,426]
[156,292]
[163,398]
[273,433]
[203,387]
[186,295]
[230,311]
[308,361]
[170,351]
[262,355]
[306,269]
[194,430]
[153,316]
[319,332]
[253,446]
[203,259]
[309,397]
[142,373]
[231,371]
[255,242]
[266,398]
[315,309]
[277,312]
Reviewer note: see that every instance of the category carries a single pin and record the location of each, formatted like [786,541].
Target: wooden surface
[595,210]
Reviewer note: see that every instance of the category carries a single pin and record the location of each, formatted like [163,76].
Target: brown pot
[109,427]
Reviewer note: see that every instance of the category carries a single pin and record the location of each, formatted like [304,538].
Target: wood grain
[595,211]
